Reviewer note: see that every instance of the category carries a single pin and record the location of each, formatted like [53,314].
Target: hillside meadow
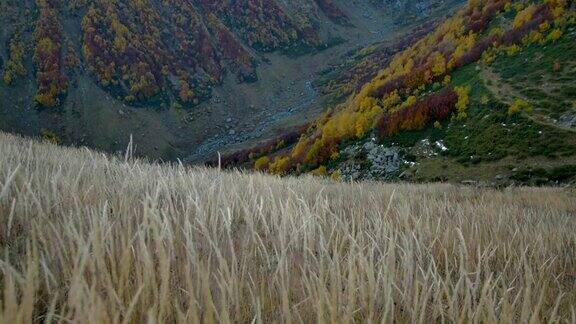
[91,238]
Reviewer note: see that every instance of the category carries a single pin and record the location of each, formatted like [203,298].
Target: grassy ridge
[86,237]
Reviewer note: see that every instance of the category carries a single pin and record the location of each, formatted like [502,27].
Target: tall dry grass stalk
[86,237]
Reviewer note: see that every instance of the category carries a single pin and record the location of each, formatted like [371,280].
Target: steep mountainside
[487,97]
[181,76]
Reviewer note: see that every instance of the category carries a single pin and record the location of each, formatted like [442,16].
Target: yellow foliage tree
[463,102]
[186,94]
[554,35]
[46,100]
[280,165]
[50,136]
[367,103]
[523,16]
[261,163]
[320,171]
[300,148]
[312,154]
[544,27]
[513,50]
[438,63]
[391,100]
[366,120]
[14,65]
[336,175]
[517,106]
[410,101]
[8,78]
[533,37]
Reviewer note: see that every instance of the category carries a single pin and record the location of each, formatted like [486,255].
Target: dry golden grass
[90,238]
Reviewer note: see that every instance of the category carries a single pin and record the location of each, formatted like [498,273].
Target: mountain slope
[172,73]
[86,237]
[495,115]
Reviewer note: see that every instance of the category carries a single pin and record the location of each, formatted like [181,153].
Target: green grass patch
[489,133]
[560,174]
[532,73]
[492,135]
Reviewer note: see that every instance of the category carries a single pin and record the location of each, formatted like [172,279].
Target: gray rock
[384,160]
[370,161]
[568,120]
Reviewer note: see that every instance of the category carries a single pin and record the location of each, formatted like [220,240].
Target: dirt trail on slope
[505,93]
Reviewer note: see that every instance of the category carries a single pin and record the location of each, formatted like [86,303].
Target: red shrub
[437,106]
[244,156]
